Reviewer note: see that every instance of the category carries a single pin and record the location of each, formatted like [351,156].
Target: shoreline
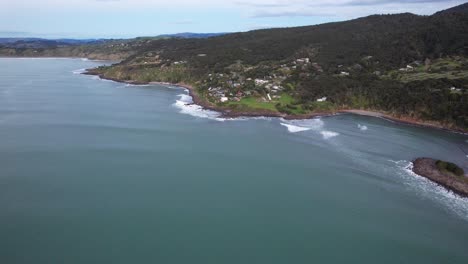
[227,113]
[427,168]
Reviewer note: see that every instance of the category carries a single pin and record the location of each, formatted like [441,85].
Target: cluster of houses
[223,95]
[232,87]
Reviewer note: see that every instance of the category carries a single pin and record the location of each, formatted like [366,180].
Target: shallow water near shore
[94,171]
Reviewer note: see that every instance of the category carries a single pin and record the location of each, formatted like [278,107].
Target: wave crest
[295,129]
[186,106]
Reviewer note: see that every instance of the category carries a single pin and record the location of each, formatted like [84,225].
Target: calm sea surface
[94,171]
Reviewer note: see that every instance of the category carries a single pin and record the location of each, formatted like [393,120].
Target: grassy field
[285,103]
[418,76]
[450,68]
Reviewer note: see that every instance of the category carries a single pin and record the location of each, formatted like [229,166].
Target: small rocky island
[447,174]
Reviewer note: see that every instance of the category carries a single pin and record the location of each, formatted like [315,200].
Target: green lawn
[255,103]
[440,68]
[418,76]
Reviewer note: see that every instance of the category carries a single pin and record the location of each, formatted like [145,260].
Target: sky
[133,18]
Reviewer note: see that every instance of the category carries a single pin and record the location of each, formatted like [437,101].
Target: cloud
[132,17]
[345,8]
[257,8]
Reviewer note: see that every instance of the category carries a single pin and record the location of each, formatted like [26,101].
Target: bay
[93,171]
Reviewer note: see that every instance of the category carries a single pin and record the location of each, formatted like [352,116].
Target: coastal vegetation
[404,65]
[444,173]
[450,168]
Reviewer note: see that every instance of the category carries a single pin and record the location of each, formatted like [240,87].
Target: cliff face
[427,168]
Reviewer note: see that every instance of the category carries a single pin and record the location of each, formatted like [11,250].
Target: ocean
[94,171]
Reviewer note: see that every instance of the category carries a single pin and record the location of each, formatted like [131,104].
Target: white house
[260,82]
[323,99]
[224,99]
[303,60]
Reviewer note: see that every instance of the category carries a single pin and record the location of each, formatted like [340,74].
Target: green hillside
[404,65]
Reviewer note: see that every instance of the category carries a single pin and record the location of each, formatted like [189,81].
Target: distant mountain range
[51,43]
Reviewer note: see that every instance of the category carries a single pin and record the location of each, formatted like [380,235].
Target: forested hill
[405,65]
[392,39]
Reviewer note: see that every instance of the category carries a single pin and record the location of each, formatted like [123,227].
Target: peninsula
[443,173]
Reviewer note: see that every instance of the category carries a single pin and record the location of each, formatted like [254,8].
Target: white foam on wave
[329,134]
[136,85]
[310,124]
[295,129]
[428,189]
[362,127]
[95,77]
[79,71]
[186,106]
[316,125]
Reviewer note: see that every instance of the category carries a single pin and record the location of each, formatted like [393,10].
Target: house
[260,82]
[344,73]
[223,99]
[408,68]
[323,99]
[303,60]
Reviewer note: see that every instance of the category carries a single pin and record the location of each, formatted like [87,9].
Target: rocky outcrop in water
[428,168]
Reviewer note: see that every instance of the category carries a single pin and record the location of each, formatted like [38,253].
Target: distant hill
[193,35]
[41,43]
[36,43]
[457,9]
[406,65]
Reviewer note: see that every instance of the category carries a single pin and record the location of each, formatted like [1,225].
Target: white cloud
[260,8]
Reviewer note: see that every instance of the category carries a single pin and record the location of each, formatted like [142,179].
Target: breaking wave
[186,106]
[295,129]
[79,71]
[428,189]
[328,134]
[316,125]
[362,127]
[306,124]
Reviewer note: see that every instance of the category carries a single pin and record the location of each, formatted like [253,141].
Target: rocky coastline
[427,168]
[230,113]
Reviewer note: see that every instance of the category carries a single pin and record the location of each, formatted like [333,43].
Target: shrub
[451,167]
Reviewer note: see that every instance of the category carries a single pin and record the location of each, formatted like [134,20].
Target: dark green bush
[451,167]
